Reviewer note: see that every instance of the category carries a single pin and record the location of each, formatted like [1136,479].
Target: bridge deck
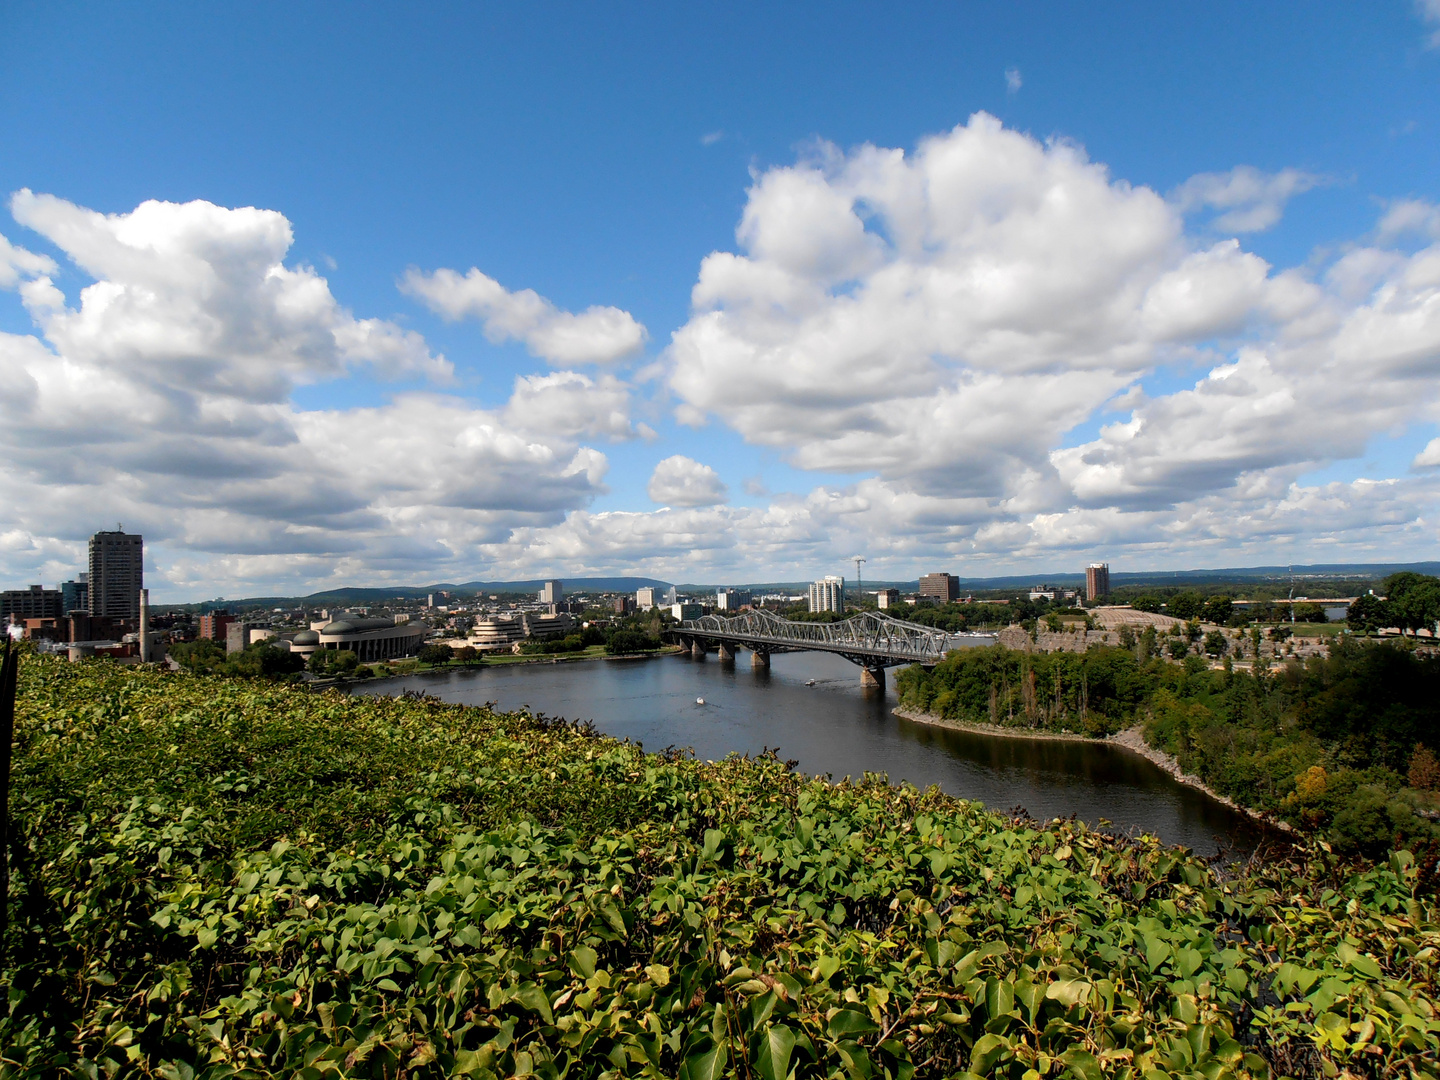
[870,640]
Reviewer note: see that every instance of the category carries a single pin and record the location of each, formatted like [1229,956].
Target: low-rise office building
[496,633]
[549,625]
[36,602]
[940,587]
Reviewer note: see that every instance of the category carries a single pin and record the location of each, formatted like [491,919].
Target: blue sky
[598,157]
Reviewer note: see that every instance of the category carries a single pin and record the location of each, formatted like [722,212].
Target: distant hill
[359,596]
[355,596]
[1344,571]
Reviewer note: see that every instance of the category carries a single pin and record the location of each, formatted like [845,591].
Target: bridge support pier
[760,658]
[727,651]
[872,677]
[697,649]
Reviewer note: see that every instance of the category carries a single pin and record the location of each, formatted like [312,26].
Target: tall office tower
[828,595]
[1097,580]
[941,587]
[117,574]
[75,595]
[551,592]
[645,598]
[886,598]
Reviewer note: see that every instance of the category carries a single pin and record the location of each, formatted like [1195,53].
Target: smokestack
[145,657]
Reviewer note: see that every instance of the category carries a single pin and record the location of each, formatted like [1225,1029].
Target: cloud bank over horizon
[993,355]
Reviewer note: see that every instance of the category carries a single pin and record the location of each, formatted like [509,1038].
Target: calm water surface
[835,727]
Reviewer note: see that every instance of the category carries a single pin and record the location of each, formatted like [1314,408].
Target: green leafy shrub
[216,878]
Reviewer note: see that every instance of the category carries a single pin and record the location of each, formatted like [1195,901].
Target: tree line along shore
[1342,744]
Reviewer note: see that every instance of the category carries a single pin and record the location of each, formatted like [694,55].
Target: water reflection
[835,727]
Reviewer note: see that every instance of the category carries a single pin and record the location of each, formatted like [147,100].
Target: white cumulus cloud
[1429,458]
[598,335]
[937,323]
[16,263]
[1249,200]
[683,481]
[161,397]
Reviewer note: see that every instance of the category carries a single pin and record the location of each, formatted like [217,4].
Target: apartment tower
[117,574]
[828,595]
[1097,581]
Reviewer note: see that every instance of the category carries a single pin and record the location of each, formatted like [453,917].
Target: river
[835,727]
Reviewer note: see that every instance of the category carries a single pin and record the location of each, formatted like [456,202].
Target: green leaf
[1156,952]
[713,839]
[533,998]
[850,1023]
[772,1058]
[1068,992]
[611,914]
[999,997]
[704,1065]
[1188,961]
[582,961]
[988,1050]
[1083,1063]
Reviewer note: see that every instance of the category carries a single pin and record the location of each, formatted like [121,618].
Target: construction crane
[859,596]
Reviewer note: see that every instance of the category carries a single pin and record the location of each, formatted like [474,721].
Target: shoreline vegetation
[1131,739]
[1340,745]
[217,877]
[511,660]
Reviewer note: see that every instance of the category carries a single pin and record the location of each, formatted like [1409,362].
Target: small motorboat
[809,682]
[699,701]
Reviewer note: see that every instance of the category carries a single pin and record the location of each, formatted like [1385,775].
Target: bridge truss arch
[870,640]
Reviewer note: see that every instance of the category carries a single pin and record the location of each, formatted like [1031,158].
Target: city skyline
[712,296]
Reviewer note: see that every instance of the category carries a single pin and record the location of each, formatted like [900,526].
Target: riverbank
[1131,739]
[521,660]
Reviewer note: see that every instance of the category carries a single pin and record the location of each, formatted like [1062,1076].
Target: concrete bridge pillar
[727,651]
[760,658]
[872,677]
[697,649]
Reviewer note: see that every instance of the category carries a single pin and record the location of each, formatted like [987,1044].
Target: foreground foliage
[221,878]
[1337,744]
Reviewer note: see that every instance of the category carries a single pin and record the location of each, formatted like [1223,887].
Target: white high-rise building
[670,596]
[551,592]
[645,598]
[828,594]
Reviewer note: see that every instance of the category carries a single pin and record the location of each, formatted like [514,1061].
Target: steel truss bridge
[869,640]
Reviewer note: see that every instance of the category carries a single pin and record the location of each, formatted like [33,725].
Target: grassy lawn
[1314,629]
